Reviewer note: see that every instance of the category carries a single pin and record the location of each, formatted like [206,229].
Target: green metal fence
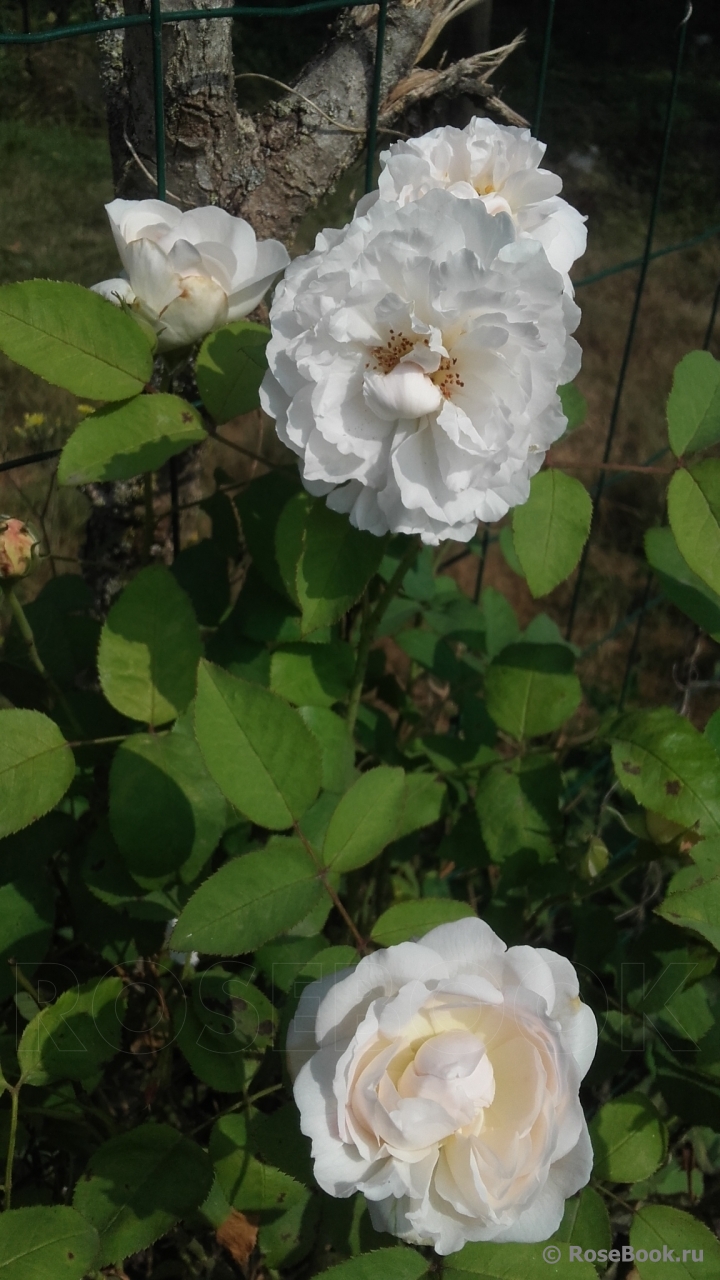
[156,19]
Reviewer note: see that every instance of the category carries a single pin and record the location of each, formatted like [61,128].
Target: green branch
[368,629]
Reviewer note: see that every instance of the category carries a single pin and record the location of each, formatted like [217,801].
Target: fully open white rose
[414,366]
[440,1078]
[498,164]
[187,274]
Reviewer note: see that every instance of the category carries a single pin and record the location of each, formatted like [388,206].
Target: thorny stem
[238,1106]
[14,1105]
[27,634]
[370,623]
[24,982]
[340,907]
[248,453]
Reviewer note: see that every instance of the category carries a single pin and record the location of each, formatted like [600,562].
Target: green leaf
[27,900]
[507,546]
[218,1061]
[46,1241]
[515,1262]
[166,813]
[149,649]
[693,407]
[289,538]
[202,571]
[119,443]
[501,624]
[586,1222]
[231,1008]
[226,1019]
[424,797]
[256,747]
[66,636]
[249,901]
[108,879]
[413,919]
[683,587]
[551,529]
[365,820]
[312,674]
[74,339]
[336,564]
[70,1038]
[260,507]
[694,512]
[397,1263]
[336,747]
[669,767]
[693,902]
[229,368]
[658,1228]
[629,1139]
[138,1185]
[284,1207]
[36,767]
[518,807]
[531,689]
[574,405]
[712,731]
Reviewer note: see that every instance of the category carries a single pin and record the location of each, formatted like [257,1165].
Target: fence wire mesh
[156,18]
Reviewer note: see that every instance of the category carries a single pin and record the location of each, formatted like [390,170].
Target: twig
[336,124]
[361,943]
[468,75]
[24,982]
[370,624]
[14,1104]
[147,172]
[27,634]
[276,466]
[236,1106]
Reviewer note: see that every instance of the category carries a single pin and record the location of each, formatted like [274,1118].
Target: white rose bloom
[440,1078]
[498,164]
[414,366]
[187,274]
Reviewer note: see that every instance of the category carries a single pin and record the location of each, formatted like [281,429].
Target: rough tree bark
[270,168]
[273,167]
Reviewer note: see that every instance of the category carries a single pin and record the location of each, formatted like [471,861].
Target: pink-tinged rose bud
[19,547]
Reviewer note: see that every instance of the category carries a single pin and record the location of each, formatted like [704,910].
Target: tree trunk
[270,168]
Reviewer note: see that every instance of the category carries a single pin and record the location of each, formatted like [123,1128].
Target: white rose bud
[498,164]
[441,1078]
[187,274]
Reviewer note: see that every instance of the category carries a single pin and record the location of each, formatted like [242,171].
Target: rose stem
[370,623]
[27,634]
[15,1098]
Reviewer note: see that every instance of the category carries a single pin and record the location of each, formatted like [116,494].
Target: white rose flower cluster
[416,354]
[497,164]
[187,274]
[440,1078]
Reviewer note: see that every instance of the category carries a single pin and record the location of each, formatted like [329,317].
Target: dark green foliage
[274,797]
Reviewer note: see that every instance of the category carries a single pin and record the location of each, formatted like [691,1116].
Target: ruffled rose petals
[441,1079]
